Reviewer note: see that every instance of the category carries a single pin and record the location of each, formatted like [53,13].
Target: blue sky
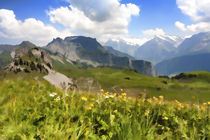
[42,20]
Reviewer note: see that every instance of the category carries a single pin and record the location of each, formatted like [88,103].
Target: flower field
[37,110]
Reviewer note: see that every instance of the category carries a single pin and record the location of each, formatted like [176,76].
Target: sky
[137,21]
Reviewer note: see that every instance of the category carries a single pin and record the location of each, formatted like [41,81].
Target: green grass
[5,59]
[113,79]
[27,111]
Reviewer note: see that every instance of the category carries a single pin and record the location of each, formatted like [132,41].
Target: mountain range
[171,54]
[155,50]
[191,55]
[83,50]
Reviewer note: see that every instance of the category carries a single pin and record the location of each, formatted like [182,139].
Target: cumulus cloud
[180,25]
[101,19]
[135,40]
[198,11]
[29,29]
[197,27]
[154,32]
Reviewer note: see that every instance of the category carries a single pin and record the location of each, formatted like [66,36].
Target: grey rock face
[88,50]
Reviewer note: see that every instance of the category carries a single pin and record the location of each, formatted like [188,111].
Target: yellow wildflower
[89,108]
[203,109]
[168,128]
[204,104]
[115,94]
[124,99]
[112,117]
[165,118]
[84,98]
[115,111]
[91,105]
[146,113]
[107,93]
[120,97]
[124,94]
[155,99]
[121,89]
[208,103]
[102,90]
[161,97]
[57,99]
[92,99]
[149,100]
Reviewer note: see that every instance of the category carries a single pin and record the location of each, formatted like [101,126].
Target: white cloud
[29,29]
[201,26]
[180,25]
[102,19]
[135,40]
[154,32]
[198,11]
[197,27]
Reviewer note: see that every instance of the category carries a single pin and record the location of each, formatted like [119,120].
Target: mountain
[88,51]
[156,50]
[122,46]
[197,44]
[187,63]
[6,48]
[191,55]
[118,53]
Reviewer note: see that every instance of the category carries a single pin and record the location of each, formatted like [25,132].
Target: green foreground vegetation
[34,109]
[195,90]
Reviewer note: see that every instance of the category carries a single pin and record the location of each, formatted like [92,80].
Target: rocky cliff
[88,50]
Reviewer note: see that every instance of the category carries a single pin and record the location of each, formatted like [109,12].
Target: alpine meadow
[105,70]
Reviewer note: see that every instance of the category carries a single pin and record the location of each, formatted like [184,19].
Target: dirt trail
[57,79]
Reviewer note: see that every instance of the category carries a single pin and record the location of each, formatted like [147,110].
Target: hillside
[6,47]
[187,63]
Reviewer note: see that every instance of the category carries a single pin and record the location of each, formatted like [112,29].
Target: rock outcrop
[87,50]
[30,60]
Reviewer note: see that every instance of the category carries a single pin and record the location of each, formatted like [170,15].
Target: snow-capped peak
[172,39]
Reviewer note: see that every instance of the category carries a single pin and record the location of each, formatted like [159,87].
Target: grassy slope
[28,112]
[5,58]
[113,80]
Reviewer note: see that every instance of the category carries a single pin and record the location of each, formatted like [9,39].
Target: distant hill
[187,63]
[89,51]
[5,59]
[6,48]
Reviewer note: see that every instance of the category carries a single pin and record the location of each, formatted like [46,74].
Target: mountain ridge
[88,50]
